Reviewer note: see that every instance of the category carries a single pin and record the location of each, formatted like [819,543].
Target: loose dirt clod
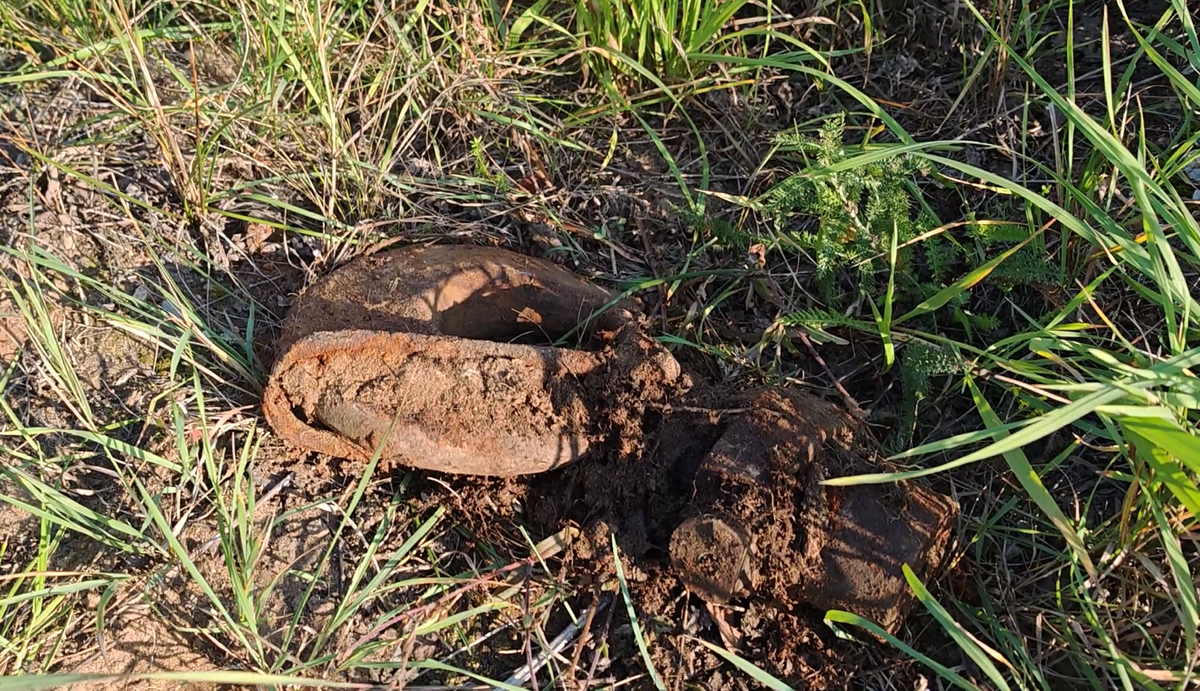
[409,353]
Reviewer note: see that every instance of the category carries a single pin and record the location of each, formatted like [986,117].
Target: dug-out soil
[612,438]
[635,485]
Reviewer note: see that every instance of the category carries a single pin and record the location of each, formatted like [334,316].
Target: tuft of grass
[659,36]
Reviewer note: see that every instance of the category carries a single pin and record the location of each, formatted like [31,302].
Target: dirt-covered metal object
[423,401]
[764,523]
[478,293]
[407,353]
[440,358]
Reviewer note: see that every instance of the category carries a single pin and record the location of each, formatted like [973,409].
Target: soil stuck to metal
[416,355]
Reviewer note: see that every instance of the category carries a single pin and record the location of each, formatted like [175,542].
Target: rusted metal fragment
[437,358]
[417,341]
[480,293]
[439,403]
[825,547]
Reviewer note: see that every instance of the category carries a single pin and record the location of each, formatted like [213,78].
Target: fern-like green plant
[857,209]
[815,322]
[919,361]
[1027,267]
[940,257]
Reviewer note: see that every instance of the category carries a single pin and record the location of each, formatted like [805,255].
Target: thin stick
[583,637]
[852,404]
[596,651]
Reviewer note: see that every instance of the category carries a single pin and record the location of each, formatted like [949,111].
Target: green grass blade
[185,561]
[712,24]
[633,619]
[1155,441]
[66,589]
[1041,427]
[966,642]
[59,509]
[1032,483]
[1167,435]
